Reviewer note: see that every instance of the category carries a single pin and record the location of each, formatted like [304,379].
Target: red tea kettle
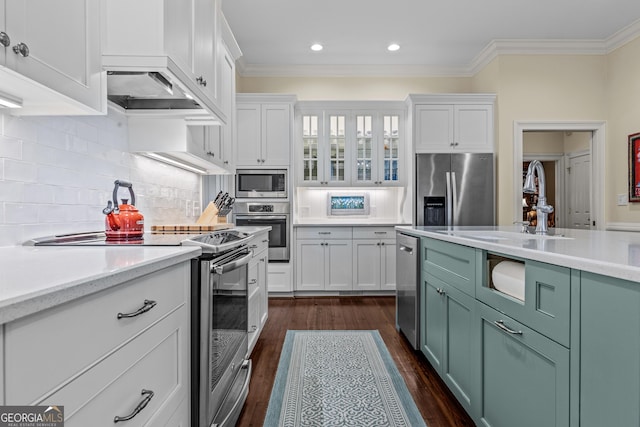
[125,221]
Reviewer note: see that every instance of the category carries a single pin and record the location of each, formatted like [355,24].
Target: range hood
[138,90]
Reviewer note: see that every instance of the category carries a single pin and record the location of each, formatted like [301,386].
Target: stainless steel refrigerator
[455,189]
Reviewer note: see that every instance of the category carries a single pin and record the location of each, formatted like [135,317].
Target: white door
[579,191]
[310,265]
[338,266]
[366,261]
[276,132]
[248,135]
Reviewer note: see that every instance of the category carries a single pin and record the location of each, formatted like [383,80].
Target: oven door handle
[238,262]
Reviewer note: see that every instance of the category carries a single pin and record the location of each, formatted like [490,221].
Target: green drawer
[454,264]
[547,299]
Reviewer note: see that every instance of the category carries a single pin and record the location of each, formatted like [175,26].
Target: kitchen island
[563,352]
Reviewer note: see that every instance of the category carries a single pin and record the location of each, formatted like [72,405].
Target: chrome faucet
[542,208]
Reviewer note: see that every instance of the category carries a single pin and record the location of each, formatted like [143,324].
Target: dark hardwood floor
[438,406]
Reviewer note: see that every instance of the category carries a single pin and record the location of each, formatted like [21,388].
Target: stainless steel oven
[220,370]
[276,215]
[261,183]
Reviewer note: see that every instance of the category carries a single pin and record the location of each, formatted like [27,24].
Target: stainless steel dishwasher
[408,287]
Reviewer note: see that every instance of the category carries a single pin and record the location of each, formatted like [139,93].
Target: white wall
[57,173]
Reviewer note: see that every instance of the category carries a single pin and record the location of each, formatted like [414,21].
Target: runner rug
[339,378]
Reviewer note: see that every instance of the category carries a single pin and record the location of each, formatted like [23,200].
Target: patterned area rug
[339,378]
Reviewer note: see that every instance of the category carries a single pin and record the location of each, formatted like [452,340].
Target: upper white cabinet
[50,56]
[263,130]
[178,38]
[453,123]
[349,144]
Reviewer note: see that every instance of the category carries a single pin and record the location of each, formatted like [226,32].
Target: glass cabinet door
[337,147]
[390,148]
[364,161]
[310,140]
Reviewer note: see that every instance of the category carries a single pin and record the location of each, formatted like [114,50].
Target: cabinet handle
[262,260]
[324,232]
[149,395]
[380,232]
[382,244]
[265,240]
[148,305]
[4,39]
[378,244]
[262,160]
[258,160]
[253,281]
[440,291]
[500,324]
[406,249]
[226,162]
[254,328]
[201,81]
[21,49]
[210,153]
[253,247]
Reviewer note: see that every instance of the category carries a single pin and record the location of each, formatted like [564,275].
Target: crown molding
[491,51]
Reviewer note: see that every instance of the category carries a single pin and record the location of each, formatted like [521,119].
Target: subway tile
[10,148]
[38,193]
[15,170]
[20,128]
[11,191]
[20,213]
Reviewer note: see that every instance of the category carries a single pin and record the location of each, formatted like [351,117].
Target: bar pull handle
[500,324]
[454,198]
[148,305]
[149,395]
[324,232]
[380,232]
[406,249]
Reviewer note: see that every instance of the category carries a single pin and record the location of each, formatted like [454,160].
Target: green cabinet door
[448,323]
[609,352]
[524,379]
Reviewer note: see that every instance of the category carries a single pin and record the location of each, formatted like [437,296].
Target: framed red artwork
[634,167]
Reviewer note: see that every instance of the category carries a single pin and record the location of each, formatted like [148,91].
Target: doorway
[566,158]
[594,168]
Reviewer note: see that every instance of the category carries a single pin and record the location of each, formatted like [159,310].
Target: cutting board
[188,228]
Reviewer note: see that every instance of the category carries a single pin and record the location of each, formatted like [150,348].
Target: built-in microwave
[261,183]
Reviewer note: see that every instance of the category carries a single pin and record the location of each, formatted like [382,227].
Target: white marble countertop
[610,253]
[347,222]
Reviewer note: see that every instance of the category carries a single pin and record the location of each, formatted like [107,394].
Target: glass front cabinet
[349,146]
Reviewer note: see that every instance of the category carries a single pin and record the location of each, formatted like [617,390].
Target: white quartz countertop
[35,278]
[610,253]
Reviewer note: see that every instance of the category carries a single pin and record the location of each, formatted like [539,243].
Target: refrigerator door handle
[448,197]
[454,198]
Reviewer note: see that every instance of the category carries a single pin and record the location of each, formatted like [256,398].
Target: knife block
[212,215]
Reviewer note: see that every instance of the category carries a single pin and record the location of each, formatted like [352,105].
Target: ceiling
[445,37]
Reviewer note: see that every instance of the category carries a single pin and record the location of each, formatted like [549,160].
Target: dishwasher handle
[406,249]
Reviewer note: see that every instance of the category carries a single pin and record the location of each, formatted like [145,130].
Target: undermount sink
[492,235]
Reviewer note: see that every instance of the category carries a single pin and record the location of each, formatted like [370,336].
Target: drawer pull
[253,247]
[500,324]
[406,249]
[139,408]
[324,232]
[380,232]
[148,305]
[440,291]
[253,281]
[265,240]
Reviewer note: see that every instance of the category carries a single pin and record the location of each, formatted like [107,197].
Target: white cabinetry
[323,259]
[280,277]
[50,56]
[258,288]
[105,349]
[349,144]
[179,38]
[263,130]
[453,123]
[172,140]
[374,259]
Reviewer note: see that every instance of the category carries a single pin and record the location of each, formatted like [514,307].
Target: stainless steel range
[220,371]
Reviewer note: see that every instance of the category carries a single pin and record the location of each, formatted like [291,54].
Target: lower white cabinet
[96,355]
[345,259]
[279,277]
[258,309]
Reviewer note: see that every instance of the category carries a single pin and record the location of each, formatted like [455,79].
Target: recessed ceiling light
[316,47]
[393,47]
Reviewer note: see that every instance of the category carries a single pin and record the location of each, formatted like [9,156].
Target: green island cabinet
[566,355]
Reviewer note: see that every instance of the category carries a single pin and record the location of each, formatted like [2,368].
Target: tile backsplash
[57,174]
[385,203]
